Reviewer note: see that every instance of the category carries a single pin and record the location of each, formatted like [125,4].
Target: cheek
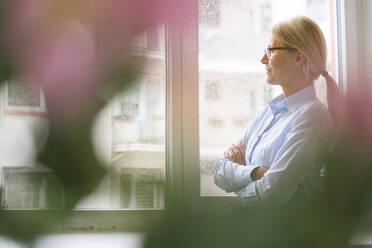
[274,65]
[280,66]
[274,61]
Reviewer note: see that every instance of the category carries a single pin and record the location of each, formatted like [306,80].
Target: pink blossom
[68,47]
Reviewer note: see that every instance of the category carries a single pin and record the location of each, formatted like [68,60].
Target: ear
[299,59]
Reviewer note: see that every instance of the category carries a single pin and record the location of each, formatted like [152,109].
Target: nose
[264,59]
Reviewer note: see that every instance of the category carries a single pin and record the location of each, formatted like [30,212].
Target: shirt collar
[276,105]
[294,101]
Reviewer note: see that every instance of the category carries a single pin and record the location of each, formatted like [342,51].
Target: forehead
[274,43]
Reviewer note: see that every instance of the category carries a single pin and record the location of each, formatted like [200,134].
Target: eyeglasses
[268,51]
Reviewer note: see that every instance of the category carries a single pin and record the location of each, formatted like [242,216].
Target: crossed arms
[236,154]
[294,160]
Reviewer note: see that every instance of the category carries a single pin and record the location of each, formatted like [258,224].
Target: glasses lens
[267,52]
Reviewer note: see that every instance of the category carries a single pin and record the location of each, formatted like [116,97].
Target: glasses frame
[268,50]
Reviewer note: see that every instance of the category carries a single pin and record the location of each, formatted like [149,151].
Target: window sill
[92,220]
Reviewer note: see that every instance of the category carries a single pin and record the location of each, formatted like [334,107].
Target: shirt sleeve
[295,159]
[230,176]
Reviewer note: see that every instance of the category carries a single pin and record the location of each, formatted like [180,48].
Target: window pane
[232,37]
[130,134]
[129,137]
[31,188]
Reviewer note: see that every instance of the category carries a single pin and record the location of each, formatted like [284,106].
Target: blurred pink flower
[64,64]
[68,47]
[357,125]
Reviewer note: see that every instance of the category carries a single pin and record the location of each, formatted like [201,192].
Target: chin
[269,81]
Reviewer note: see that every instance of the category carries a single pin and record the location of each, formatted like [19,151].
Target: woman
[275,161]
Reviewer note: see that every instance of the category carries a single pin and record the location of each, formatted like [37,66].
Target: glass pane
[130,134]
[233,88]
[129,137]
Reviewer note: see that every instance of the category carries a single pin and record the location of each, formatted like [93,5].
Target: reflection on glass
[232,37]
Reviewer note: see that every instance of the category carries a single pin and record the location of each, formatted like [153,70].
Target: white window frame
[349,22]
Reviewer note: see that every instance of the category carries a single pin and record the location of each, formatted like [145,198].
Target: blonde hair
[304,34]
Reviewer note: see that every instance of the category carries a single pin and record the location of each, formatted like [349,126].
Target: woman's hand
[236,153]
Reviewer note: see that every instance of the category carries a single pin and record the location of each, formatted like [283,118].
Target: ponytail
[306,36]
[334,101]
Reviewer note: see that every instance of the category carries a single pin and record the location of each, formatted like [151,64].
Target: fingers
[242,149]
[228,155]
[242,153]
[236,154]
[241,145]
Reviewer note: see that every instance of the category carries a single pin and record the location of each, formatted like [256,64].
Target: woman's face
[279,65]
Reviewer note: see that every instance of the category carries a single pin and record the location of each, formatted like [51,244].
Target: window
[25,187]
[185,109]
[212,91]
[129,135]
[209,12]
[140,188]
[150,43]
[230,70]
[154,39]
[23,98]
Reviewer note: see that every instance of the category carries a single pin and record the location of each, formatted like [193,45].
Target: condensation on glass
[129,137]
[232,86]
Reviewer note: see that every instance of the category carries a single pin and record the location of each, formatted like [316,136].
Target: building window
[25,187]
[209,12]
[23,98]
[140,188]
[153,39]
[149,43]
[212,90]
[129,111]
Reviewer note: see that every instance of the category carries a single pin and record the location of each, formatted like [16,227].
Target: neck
[293,87]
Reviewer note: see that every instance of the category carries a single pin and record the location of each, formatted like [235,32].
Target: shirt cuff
[253,167]
[248,192]
[248,169]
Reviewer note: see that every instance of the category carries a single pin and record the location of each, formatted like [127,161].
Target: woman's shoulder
[314,108]
[315,112]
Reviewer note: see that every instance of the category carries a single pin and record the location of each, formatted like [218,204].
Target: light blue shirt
[284,138]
